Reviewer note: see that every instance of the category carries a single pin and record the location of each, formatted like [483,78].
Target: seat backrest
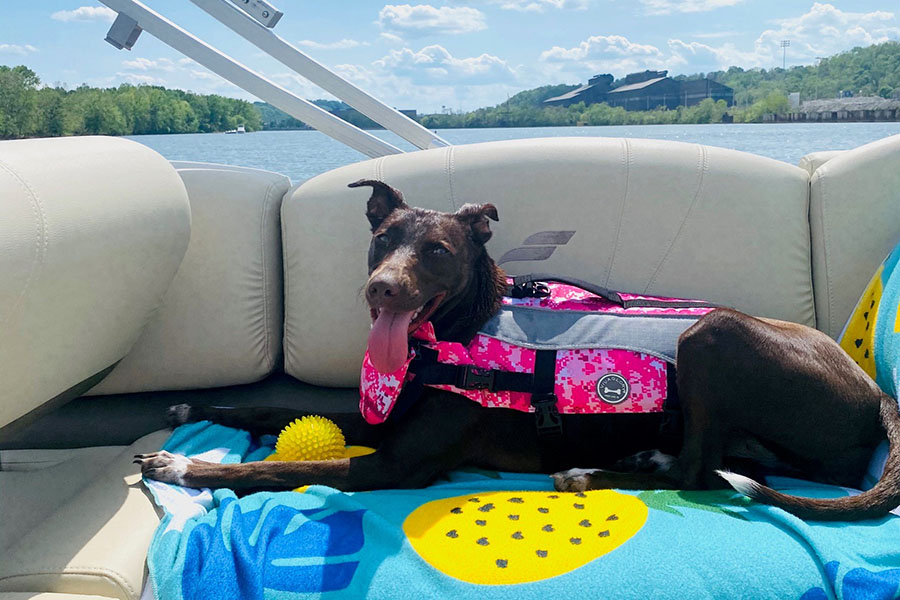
[634,215]
[855,222]
[220,322]
[92,231]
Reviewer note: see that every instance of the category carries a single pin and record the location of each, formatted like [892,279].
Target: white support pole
[268,41]
[171,34]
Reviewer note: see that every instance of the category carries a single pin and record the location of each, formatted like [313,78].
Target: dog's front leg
[440,433]
[366,472]
[263,420]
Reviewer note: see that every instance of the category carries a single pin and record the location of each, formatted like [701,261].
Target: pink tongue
[389,340]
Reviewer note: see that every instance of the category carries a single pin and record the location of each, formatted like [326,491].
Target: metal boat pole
[135,17]
[269,42]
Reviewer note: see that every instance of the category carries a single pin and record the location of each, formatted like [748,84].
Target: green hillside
[869,71]
[28,109]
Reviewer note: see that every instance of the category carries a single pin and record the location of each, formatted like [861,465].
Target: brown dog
[782,395]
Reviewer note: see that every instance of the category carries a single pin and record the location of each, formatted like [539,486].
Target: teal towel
[460,538]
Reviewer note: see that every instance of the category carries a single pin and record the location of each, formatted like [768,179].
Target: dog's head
[423,265]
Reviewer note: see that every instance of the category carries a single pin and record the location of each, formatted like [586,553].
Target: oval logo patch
[613,388]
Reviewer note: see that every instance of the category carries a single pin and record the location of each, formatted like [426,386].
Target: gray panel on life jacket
[543,329]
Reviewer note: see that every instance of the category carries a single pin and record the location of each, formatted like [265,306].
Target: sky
[455,54]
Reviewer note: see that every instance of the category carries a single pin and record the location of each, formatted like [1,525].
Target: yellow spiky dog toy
[314,438]
[311,438]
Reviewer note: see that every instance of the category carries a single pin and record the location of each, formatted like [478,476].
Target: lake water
[304,154]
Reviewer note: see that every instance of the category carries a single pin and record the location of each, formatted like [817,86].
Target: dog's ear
[476,216]
[384,200]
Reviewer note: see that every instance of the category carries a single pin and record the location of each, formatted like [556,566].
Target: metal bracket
[124,32]
[260,10]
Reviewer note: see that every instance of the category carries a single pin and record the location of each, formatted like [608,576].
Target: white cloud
[599,47]
[694,56]
[541,5]
[428,78]
[825,30]
[391,38]
[424,19]
[666,7]
[145,64]
[716,34]
[435,64]
[338,45]
[822,31]
[138,79]
[17,49]
[86,13]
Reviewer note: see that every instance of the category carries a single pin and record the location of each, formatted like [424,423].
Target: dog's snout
[382,289]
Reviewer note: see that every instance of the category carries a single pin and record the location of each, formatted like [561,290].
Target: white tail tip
[744,485]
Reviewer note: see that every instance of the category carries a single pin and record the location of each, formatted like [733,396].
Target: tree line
[29,110]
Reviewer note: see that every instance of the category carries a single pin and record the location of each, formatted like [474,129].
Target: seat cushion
[94,543]
[221,320]
[91,234]
[644,216]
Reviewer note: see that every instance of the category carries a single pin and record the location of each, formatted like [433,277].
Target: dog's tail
[873,503]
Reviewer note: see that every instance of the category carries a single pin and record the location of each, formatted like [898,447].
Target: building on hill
[645,91]
[594,91]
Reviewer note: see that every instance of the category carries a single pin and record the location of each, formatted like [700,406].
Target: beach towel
[482,534]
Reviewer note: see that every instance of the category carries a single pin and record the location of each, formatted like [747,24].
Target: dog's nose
[382,289]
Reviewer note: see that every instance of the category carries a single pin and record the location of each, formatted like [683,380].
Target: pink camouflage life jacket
[556,345]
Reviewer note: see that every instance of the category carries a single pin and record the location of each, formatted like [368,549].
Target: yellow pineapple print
[516,537]
[859,335]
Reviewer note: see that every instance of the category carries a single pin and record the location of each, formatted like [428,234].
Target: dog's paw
[164,466]
[179,414]
[648,461]
[574,480]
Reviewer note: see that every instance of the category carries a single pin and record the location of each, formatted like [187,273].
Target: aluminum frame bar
[223,65]
[296,60]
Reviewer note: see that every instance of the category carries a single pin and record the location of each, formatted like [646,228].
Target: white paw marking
[663,462]
[575,473]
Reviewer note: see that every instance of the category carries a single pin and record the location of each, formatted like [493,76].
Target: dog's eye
[439,250]
[382,238]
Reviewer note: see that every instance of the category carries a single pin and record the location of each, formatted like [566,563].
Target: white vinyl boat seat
[265,308]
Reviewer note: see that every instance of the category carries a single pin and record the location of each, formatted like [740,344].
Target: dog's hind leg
[259,420]
[650,469]
[581,480]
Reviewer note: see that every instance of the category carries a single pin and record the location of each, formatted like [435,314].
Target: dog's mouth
[389,338]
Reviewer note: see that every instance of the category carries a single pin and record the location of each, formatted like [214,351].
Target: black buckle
[475,378]
[546,415]
[530,289]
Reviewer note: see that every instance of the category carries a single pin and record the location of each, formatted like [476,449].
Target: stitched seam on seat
[702,168]
[826,239]
[41,243]
[379,169]
[284,292]
[265,276]
[449,167]
[114,576]
[626,167]
[812,289]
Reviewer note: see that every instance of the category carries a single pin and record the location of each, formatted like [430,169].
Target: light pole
[784,45]
[819,60]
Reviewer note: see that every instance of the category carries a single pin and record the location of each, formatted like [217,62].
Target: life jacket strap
[543,398]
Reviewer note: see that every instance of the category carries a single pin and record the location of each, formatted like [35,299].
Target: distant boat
[240,129]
